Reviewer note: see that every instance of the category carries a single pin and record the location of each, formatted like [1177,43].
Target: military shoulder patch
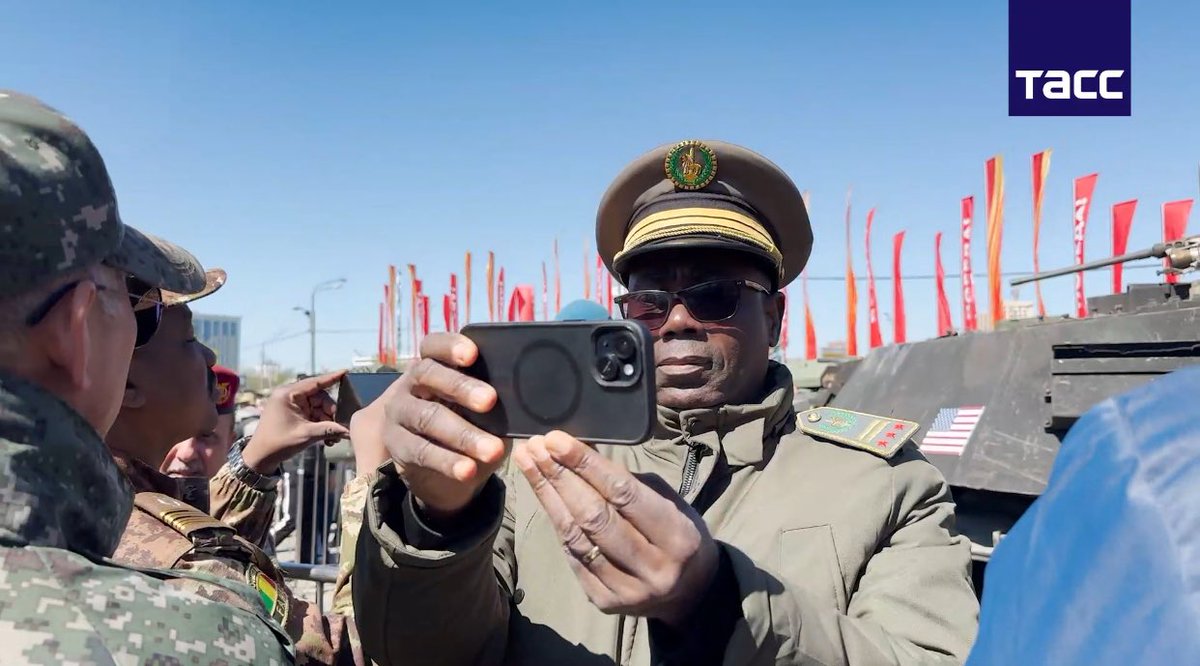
[274,600]
[878,434]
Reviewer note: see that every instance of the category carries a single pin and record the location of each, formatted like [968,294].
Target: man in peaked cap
[78,290]
[740,533]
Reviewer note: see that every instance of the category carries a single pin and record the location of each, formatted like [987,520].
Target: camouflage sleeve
[243,508]
[57,607]
[319,639]
[354,499]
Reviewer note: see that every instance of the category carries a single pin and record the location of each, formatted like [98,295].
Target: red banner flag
[1084,187]
[587,274]
[415,288]
[545,293]
[897,289]
[379,353]
[557,281]
[851,292]
[1041,169]
[599,279]
[608,292]
[970,323]
[783,324]
[467,281]
[424,315]
[520,308]
[454,302]
[876,338]
[1122,220]
[810,330]
[420,317]
[995,232]
[1174,218]
[446,312]
[491,285]
[944,323]
[500,295]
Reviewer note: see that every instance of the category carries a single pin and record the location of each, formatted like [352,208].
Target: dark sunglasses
[146,302]
[707,302]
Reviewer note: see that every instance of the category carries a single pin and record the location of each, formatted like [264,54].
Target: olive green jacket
[841,556]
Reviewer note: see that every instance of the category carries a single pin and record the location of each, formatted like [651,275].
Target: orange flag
[491,285]
[876,336]
[944,324]
[995,229]
[851,292]
[1041,169]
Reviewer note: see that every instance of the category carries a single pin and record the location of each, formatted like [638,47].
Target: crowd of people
[137,506]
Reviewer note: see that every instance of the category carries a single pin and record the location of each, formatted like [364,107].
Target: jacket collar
[145,478]
[741,431]
[59,486]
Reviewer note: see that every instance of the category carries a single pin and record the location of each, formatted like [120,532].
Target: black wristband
[705,633]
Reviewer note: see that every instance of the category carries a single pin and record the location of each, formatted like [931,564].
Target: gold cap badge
[691,165]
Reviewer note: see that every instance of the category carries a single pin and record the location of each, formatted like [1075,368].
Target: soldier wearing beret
[740,533]
[78,291]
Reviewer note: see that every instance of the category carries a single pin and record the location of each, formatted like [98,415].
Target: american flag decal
[951,430]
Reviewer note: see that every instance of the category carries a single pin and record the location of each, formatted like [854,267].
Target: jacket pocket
[808,559]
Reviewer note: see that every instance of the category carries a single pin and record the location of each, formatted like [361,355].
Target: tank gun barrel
[1183,256]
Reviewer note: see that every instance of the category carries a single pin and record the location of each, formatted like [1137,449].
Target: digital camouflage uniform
[63,501]
[165,532]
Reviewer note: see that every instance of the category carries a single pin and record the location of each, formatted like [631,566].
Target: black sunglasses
[146,302]
[707,302]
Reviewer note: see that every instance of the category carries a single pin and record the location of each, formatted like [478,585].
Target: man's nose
[679,322]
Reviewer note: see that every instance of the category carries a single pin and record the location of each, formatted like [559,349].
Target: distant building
[222,334]
[836,349]
[1018,309]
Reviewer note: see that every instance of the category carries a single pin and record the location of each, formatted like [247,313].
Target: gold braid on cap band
[687,221]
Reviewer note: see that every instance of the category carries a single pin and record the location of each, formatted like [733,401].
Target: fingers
[432,379]
[325,430]
[648,514]
[457,441]
[450,349]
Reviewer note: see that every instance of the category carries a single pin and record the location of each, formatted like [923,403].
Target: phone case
[551,376]
[359,389]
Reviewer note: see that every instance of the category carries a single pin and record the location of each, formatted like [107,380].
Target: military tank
[994,406]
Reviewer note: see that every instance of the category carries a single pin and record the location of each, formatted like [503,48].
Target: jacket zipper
[695,453]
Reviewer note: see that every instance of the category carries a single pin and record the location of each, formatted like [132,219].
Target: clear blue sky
[291,147]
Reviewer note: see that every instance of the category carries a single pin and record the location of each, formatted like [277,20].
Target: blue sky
[294,146]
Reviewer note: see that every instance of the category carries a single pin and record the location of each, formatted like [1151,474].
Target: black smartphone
[591,379]
[359,389]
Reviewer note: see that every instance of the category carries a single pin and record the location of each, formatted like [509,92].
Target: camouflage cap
[58,211]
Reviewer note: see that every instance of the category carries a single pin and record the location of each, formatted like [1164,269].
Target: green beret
[704,194]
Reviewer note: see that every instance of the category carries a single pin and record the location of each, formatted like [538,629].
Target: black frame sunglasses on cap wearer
[146,302]
[708,302]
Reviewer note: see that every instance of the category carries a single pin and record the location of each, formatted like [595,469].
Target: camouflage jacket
[354,499]
[165,532]
[243,508]
[62,506]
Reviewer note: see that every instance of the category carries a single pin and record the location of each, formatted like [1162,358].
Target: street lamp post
[311,312]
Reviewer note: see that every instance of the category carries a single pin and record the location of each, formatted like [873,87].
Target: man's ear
[775,316]
[66,333]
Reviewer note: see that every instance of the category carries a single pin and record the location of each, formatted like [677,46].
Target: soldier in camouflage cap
[78,290]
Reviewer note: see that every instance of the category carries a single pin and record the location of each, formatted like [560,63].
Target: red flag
[491,286]
[810,330]
[545,293]
[520,308]
[783,325]
[944,324]
[421,320]
[995,232]
[379,346]
[1122,220]
[424,315]
[1084,187]
[876,339]
[608,293]
[467,280]
[897,289]
[1175,217]
[587,275]
[970,323]
[453,302]
[851,292]
[383,341]
[1041,169]
[557,281]
[415,287]
[446,312]
[500,294]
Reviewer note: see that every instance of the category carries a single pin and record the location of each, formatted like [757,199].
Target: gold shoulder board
[179,516]
[879,435]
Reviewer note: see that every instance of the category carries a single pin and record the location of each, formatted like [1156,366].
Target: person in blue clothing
[583,310]
[1104,568]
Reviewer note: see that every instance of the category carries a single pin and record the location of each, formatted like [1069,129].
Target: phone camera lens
[609,367]
[625,347]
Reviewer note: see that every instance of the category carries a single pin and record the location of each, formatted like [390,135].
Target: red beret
[227,388]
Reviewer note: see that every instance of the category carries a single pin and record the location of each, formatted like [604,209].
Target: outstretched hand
[634,550]
[296,416]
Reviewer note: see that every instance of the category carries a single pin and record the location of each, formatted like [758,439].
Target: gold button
[813,417]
